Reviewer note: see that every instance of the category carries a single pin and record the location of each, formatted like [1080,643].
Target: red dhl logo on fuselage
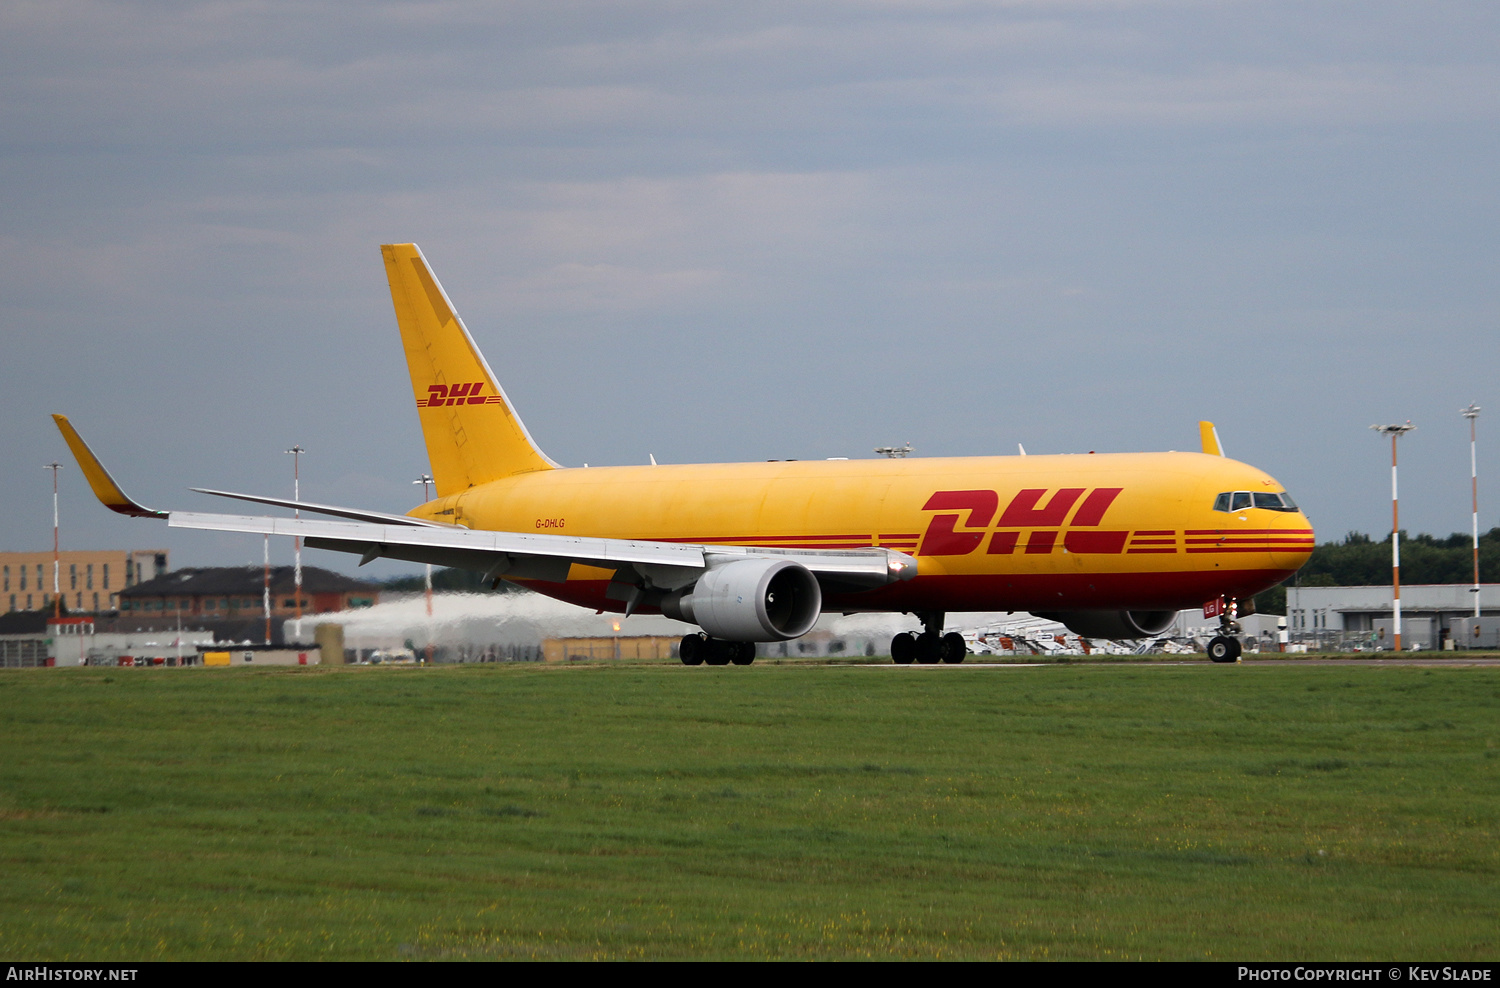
[1025,511]
[1046,521]
[440,395]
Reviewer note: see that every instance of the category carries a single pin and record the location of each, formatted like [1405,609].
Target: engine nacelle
[750,600]
[1114,624]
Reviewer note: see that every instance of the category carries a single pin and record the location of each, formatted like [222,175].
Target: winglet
[1210,437]
[105,489]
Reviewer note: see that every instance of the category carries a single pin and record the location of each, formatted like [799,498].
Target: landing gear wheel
[1224,649]
[953,648]
[929,648]
[692,649]
[743,653]
[719,652]
[904,648]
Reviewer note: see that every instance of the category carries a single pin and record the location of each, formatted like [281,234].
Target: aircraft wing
[515,555]
[521,555]
[358,514]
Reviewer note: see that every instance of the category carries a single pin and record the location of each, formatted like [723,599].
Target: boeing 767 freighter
[1111,545]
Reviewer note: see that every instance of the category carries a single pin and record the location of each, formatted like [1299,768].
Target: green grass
[771,811]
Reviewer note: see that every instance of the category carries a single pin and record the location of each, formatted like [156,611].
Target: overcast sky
[737,231]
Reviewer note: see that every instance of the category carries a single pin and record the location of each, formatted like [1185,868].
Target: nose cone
[1294,542]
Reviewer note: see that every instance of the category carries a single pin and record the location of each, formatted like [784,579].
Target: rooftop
[246,580]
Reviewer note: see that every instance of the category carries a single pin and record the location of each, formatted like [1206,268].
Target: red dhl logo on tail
[439,395]
[1025,511]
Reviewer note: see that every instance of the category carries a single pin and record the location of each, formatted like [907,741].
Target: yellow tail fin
[1209,436]
[473,435]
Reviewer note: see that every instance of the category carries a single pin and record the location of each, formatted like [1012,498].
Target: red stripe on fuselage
[1248,531]
[1005,592]
[748,539]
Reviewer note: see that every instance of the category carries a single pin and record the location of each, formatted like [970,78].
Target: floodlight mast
[56,556]
[1395,432]
[297,452]
[1471,413]
[425,481]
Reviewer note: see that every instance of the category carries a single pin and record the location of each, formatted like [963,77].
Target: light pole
[297,452]
[56,556]
[266,588]
[1395,432]
[1471,413]
[426,481]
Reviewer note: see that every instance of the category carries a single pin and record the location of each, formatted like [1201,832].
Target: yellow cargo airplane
[1111,545]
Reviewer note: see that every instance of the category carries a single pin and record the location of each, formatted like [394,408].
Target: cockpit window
[1275,502]
[1240,500]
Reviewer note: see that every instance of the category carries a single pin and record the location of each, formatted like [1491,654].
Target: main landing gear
[699,649]
[931,646]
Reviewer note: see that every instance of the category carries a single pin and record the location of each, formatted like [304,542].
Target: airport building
[237,592]
[1433,616]
[89,580]
[29,639]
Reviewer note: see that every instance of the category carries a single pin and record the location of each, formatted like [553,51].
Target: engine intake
[1114,624]
[750,600]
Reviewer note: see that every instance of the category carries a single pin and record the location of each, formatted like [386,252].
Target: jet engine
[1114,624]
[750,600]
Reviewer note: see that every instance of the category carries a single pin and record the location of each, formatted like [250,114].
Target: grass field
[1071,811]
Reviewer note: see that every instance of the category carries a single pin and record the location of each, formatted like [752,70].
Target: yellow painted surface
[1209,437]
[474,437]
[216,658]
[868,500]
[1161,521]
[103,485]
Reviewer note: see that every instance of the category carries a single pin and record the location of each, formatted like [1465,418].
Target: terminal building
[89,580]
[1433,616]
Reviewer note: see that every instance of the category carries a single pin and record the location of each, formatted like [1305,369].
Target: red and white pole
[297,452]
[266,592]
[56,554]
[1395,548]
[1471,413]
[425,480]
[1395,432]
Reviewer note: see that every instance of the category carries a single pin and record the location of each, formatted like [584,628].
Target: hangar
[1433,616]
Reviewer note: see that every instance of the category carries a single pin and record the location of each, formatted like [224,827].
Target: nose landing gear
[1225,646]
